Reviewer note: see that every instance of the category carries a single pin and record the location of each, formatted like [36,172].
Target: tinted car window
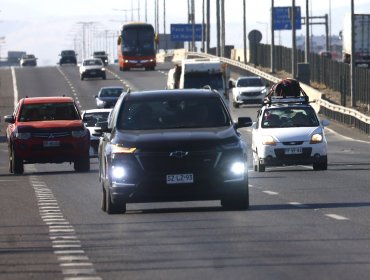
[171,114]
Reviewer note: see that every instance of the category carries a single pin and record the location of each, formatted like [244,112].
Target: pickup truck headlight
[23,135]
[79,133]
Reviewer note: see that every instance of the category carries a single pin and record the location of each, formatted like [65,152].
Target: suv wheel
[114,208]
[235,104]
[238,201]
[103,204]
[82,164]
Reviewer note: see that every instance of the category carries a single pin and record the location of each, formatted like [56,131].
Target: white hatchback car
[288,132]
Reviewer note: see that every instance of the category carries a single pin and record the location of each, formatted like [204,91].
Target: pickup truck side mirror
[9,119]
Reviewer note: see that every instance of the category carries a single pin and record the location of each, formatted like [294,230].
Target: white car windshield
[289,117]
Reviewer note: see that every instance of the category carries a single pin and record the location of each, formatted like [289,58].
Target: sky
[45,27]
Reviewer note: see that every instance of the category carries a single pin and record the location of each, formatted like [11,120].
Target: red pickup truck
[47,130]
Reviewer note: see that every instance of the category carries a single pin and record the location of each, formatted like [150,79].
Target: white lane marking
[62,235]
[69,252]
[336,217]
[270,192]
[297,204]
[345,137]
[15,88]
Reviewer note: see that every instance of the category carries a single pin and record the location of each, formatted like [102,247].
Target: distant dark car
[68,57]
[172,145]
[101,55]
[108,96]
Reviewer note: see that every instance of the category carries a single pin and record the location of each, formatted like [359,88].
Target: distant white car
[28,60]
[91,118]
[248,90]
[288,132]
[92,68]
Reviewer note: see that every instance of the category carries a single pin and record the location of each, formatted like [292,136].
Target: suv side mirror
[244,122]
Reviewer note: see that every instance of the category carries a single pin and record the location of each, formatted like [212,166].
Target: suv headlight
[117,149]
[79,133]
[23,135]
[238,168]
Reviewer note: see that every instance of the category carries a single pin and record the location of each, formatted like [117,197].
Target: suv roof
[191,93]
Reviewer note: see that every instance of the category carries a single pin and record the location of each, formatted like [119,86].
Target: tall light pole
[244,32]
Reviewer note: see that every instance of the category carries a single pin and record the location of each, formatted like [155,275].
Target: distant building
[318,45]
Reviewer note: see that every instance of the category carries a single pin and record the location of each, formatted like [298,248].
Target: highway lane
[302,224]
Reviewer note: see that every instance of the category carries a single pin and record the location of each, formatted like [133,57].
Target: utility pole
[222,8]
[164,24]
[208,28]
[273,70]
[352,75]
[218,27]
[307,50]
[294,43]
[244,32]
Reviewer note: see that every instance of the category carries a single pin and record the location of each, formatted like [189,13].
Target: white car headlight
[316,138]
[23,135]
[268,140]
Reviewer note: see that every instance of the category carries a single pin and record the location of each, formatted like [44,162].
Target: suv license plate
[180,178]
[293,151]
[51,143]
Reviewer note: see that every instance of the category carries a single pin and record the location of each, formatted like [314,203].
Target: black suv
[68,57]
[172,145]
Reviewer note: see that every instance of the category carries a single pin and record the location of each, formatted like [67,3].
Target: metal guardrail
[337,112]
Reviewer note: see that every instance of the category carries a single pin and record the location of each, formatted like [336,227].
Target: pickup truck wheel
[114,208]
[82,164]
[16,164]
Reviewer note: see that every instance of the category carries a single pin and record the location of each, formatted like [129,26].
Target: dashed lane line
[73,261]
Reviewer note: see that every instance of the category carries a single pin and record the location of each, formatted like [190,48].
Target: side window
[112,119]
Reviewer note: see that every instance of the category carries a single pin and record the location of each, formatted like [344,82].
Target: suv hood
[195,139]
[250,89]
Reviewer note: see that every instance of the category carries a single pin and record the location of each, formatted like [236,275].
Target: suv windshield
[250,82]
[289,117]
[174,113]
